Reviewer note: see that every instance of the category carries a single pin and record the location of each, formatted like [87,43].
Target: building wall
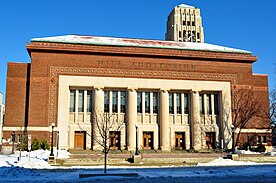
[56,61]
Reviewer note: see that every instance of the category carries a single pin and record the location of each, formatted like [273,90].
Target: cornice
[140,51]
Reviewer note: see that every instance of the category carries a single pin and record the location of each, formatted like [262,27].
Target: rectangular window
[72,100]
[201,104]
[89,100]
[216,103]
[114,101]
[147,102]
[179,33]
[178,103]
[184,22]
[81,101]
[106,101]
[171,103]
[186,102]
[139,102]
[198,35]
[259,139]
[155,102]
[188,23]
[193,23]
[208,101]
[264,139]
[123,102]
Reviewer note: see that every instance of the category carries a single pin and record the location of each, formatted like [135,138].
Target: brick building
[177,94]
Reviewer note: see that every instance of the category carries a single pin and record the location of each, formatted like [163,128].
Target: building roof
[185,6]
[112,41]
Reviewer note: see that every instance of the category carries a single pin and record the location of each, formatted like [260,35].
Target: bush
[44,145]
[24,142]
[35,145]
[259,148]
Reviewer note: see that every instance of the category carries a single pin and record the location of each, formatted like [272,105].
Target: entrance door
[148,140]
[114,140]
[180,140]
[80,140]
[210,140]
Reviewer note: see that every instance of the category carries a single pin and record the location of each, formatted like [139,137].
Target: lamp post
[233,138]
[52,144]
[136,152]
[13,140]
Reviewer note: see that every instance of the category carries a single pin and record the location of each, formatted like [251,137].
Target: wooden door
[114,140]
[79,140]
[180,140]
[148,140]
[210,140]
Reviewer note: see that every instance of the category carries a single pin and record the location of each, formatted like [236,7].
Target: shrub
[44,145]
[259,148]
[35,145]
[24,142]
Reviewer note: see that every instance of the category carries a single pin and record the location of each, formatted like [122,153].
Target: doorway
[210,140]
[180,140]
[114,140]
[80,140]
[148,140]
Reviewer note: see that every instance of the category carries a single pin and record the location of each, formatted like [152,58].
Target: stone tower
[185,24]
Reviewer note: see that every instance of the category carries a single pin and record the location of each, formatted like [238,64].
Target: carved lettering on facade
[147,66]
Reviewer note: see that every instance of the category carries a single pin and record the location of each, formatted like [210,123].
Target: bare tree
[272,113]
[245,106]
[104,123]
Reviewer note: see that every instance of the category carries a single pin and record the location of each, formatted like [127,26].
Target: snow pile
[226,162]
[35,159]
[245,152]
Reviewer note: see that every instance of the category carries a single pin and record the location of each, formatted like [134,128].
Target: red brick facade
[32,89]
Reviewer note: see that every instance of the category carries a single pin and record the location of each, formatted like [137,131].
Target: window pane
[147,102]
[72,100]
[139,102]
[123,101]
[80,102]
[155,103]
[171,103]
[186,102]
[114,101]
[89,100]
[201,103]
[106,101]
[216,103]
[208,101]
[178,103]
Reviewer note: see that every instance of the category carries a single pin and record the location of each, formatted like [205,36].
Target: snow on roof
[112,41]
[185,6]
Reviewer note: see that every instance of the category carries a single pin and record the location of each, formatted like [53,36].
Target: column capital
[98,88]
[132,89]
[194,91]
[164,90]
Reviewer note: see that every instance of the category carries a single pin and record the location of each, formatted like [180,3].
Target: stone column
[164,120]
[131,118]
[195,122]
[98,110]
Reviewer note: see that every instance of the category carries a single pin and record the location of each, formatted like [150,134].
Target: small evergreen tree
[44,145]
[24,145]
[35,145]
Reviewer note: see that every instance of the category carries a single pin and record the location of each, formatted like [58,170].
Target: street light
[52,144]
[233,138]
[136,152]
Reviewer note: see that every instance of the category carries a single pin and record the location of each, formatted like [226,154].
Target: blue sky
[244,24]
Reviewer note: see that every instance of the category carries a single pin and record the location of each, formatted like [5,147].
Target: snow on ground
[226,162]
[219,170]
